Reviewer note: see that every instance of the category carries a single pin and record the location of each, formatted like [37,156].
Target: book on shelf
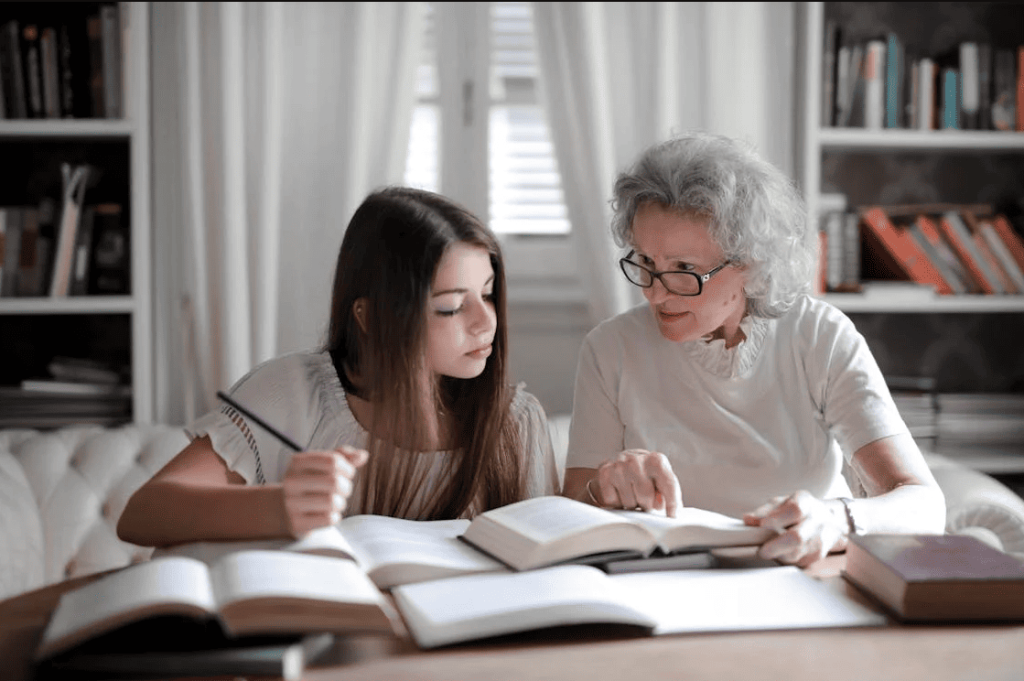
[11,70]
[75,179]
[50,72]
[1006,283]
[247,593]
[81,260]
[894,85]
[549,530]
[30,261]
[897,253]
[110,268]
[148,655]
[925,226]
[390,551]
[110,31]
[12,251]
[1014,242]
[937,577]
[985,86]
[48,385]
[832,38]
[31,67]
[950,94]
[1004,104]
[963,244]
[1001,254]
[939,257]
[474,607]
[970,94]
[874,85]
[83,369]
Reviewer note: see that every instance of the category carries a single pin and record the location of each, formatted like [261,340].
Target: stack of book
[917,402]
[77,391]
[984,430]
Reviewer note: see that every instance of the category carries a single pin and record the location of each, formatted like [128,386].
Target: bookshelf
[854,160]
[113,328]
[958,341]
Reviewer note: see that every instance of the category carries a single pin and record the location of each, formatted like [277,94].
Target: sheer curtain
[620,76]
[271,122]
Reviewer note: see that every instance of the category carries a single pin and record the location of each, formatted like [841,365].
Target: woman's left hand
[808,528]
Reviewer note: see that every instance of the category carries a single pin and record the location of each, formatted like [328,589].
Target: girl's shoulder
[310,372]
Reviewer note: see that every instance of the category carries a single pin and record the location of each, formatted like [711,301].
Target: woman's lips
[671,316]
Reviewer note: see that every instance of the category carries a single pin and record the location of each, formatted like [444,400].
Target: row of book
[954,249]
[879,84]
[64,248]
[61,60]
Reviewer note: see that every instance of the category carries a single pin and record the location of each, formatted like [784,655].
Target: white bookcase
[129,316]
[818,142]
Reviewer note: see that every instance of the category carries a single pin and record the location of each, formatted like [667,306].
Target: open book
[549,530]
[248,593]
[468,608]
[390,551]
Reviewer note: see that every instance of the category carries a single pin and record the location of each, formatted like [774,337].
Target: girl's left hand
[808,528]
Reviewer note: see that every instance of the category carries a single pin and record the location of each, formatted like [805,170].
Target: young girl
[406,412]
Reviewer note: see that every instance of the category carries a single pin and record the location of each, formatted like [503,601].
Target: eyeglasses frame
[701,278]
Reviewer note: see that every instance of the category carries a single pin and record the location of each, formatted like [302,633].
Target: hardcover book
[937,577]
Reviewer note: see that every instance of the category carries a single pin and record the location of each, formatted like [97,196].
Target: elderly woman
[733,389]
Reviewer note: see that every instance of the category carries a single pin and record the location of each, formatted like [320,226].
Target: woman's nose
[656,292]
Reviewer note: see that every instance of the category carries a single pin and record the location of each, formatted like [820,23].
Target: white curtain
[620,76]
[271,122]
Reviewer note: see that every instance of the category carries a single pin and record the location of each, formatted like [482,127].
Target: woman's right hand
[637,478]
[317,486]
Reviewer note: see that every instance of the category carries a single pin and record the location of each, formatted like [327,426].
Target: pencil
[260,422]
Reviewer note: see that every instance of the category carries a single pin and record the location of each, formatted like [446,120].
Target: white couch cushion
[21,532]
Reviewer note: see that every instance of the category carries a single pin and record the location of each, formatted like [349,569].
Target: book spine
[834,240]
[931,232]
[13,72]
[1013,241]
[1004,97]
[110,272]
[111,41]
[12,252]
[926,95]
[50,72]
[950,99]
[874,85]
[998,273]
[894,82]
[65,73]
[1020,88]
[94,34]
[985,86]
[83,252]
[969,90]
[1002,256]
[33,70]
[29,270]
[828,74]
[932,253]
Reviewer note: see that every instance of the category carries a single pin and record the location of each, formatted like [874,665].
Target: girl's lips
[480,353]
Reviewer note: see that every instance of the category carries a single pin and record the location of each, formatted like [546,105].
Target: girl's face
[666,240]
[461,319]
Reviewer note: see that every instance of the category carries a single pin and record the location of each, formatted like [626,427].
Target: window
[452,150]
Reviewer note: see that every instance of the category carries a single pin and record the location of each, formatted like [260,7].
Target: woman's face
[461,319]
[666,240]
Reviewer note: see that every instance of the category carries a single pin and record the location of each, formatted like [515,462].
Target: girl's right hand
[317,486]
[637,478]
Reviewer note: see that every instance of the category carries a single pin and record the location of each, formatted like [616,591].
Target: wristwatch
[851,518]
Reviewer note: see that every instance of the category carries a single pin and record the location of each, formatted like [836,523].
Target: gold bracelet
[591,493]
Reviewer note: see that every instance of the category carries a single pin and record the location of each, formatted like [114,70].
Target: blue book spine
[950,99]
[893,82]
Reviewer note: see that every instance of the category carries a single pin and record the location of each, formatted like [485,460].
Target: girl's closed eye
[448,313]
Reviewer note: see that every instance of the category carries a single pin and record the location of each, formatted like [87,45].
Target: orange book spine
[962,251]
[931,232]
[993,263]
[1013,241]
[902,251]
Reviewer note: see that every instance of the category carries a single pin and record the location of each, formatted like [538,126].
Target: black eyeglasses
[678,282]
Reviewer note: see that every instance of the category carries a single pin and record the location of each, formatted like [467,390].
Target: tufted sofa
[62,492]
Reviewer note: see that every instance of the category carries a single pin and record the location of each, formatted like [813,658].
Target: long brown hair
[390,253]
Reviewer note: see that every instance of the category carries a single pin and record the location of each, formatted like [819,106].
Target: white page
[476,606]
[396,551]
[741,599]
[261,574]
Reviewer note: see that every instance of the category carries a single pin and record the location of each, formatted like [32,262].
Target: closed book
[50,72]
[936,258]
[31,259]
[937,577]
[930,231]
[110,269]
[32,68]
[12,251]
[984,86]
[894,77]
[950,99]
[1010,237]
[828,73]
[75,179]
[1004,98]
[94,37]
[110,31]
[896,251]
[11,71]
[994,260]
[874,85]
[959,237]
[925,94]
[1002,255]
[970,93]
[83,254]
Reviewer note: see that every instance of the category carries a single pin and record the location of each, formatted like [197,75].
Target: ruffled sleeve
[542,472]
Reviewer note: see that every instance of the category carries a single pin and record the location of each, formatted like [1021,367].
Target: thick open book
[390,551]
[549,530]
[473,607]
[248,593]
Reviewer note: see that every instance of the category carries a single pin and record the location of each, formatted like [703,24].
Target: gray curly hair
[754,212]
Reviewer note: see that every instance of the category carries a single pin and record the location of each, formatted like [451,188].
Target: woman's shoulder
[625,328]
[814,323]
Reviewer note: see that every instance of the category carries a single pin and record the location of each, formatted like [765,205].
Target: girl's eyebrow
[490,280]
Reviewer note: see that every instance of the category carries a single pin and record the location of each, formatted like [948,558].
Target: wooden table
[904,653]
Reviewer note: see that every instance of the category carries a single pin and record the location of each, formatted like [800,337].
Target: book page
[550,529]
[741,599]
[471,607]
[323,541]
[697,528]
[395,551]
[183,584]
